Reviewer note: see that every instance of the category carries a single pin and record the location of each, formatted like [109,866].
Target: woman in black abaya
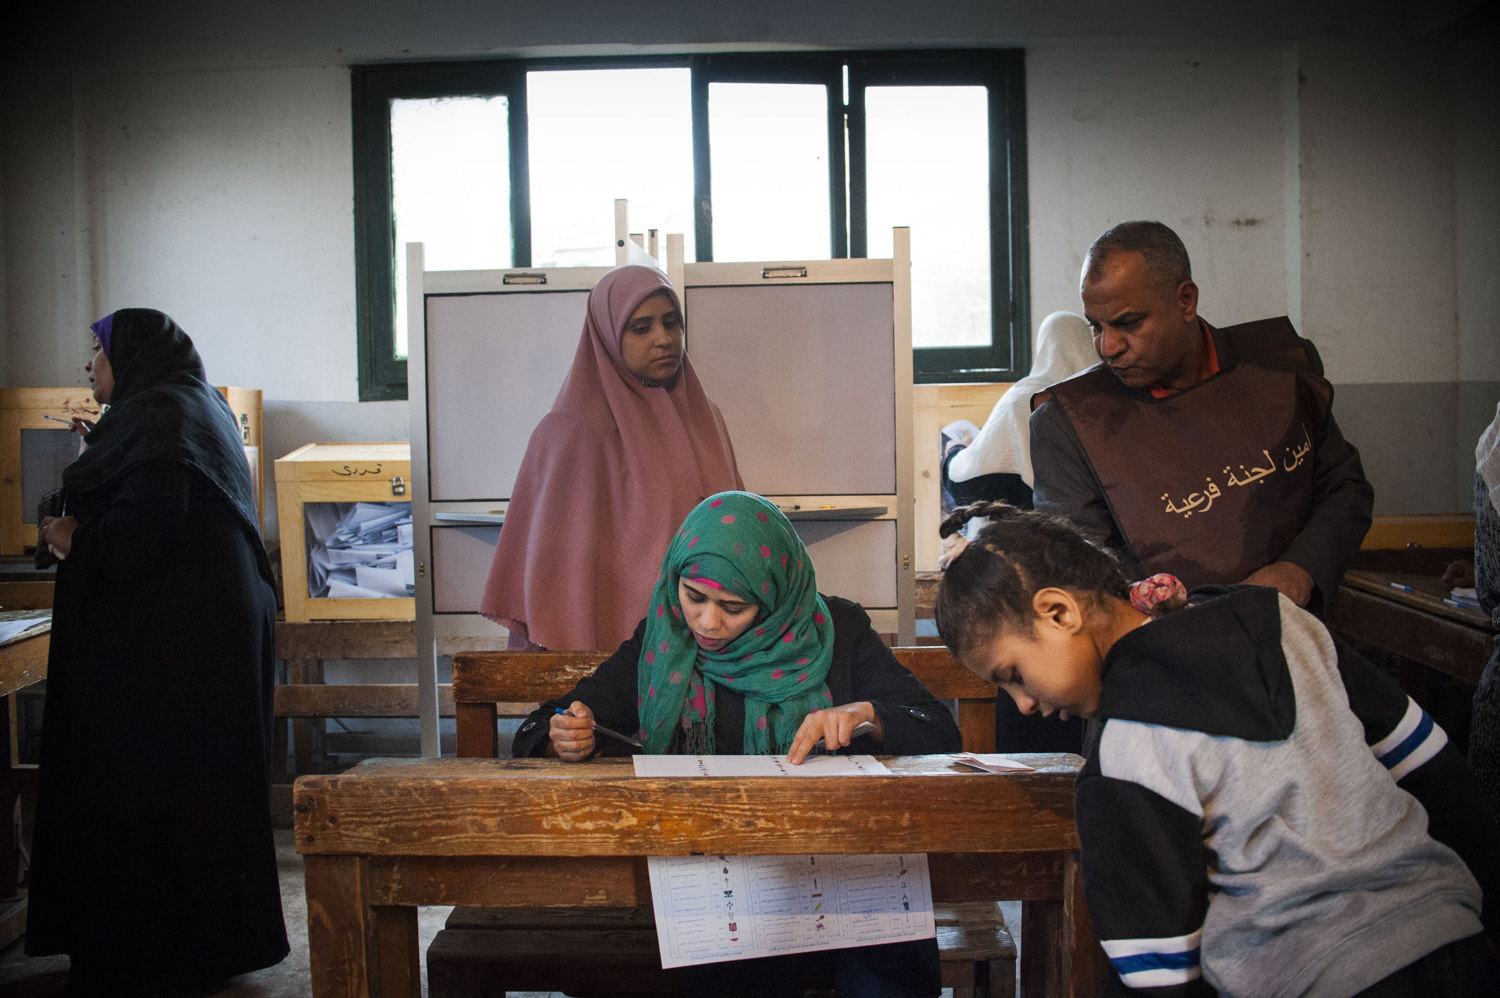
[153,865]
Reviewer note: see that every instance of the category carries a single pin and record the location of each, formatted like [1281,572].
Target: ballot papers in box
[346,532]
[359,550]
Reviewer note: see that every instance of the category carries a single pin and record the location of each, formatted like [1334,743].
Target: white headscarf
[1064,346]
[1487,459]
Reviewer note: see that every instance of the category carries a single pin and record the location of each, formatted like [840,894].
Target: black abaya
[153,862]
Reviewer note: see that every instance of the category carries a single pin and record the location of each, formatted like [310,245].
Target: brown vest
[1213,482]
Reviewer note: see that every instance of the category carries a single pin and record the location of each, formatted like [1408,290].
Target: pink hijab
[608,475]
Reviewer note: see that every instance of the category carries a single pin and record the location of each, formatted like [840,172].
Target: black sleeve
[1342,504]
[610,692]
[1064,483]
[1146,882]
[915,722]
[1417,752]
[127,539]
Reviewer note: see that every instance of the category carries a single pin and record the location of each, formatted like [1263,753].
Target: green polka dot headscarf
[741,543]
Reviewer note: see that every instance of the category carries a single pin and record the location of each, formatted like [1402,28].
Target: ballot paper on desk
[715,908]
[991,763]
[18,624]
[360,550]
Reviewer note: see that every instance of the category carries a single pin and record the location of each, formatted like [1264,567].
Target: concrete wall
[198,158]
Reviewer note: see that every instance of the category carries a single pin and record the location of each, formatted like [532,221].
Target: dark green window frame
[382,375]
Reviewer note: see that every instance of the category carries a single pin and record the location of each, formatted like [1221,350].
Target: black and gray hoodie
[1254,812]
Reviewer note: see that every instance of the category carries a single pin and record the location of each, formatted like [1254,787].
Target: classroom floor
[44,977]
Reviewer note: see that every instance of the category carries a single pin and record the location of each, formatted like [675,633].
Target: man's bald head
[1166,258]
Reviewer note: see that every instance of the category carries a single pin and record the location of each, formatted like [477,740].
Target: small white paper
[992,763]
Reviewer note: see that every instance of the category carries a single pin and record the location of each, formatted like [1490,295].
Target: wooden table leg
[12,901]
[398,952]
[1041,949]
[1086,964]
[1060,955]
[10,845]
[340,935]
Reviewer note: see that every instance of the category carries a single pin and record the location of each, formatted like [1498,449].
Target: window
[751,157]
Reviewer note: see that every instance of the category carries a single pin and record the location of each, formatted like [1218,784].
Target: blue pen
[601,729]
[1404,589]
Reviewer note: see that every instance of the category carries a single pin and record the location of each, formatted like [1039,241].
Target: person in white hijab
[995,462]
[1484,729]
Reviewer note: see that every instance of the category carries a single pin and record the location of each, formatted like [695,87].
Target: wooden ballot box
[340,497]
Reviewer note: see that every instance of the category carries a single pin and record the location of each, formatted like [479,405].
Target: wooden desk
[390,835]
[22,663]
[1417,625]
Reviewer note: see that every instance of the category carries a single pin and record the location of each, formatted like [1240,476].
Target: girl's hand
[835,726]
[571,735]
[57,533]
[82,427]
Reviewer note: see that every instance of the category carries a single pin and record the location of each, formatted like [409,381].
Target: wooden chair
[614,950]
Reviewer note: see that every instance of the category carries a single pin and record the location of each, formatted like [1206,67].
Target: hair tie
[1162,593]
[953,545]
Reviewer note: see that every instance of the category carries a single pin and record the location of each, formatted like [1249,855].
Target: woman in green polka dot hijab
[739,654]
[737,606]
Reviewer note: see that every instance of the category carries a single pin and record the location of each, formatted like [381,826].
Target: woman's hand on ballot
[572,733]
[835,727]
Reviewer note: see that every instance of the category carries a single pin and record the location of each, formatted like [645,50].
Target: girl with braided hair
[740,654]
[1261,810]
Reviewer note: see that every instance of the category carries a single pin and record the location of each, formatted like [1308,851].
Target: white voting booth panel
[763,351]
[809,363]
[478,418]
[861,551]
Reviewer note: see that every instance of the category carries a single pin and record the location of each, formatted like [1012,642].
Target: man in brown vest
[1208,453]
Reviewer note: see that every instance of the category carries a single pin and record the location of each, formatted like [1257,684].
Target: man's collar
[1211,363]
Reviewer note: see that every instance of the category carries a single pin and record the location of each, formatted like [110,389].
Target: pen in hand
[602,730]
[80,426]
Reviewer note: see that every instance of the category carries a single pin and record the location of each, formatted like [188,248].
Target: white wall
[200,160]
[1190,137]
[1378,211]
[229,195]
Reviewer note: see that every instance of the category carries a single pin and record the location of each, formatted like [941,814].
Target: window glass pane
[599,135]
[927,155]
[768,152]
[450,186]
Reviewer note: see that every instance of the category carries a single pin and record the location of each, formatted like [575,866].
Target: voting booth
[809,362]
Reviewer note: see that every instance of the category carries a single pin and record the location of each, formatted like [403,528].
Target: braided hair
[988,588]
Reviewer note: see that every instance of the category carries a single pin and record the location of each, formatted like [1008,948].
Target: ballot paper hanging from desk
[715,908]
[359,550]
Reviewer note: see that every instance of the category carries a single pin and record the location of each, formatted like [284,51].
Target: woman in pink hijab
[631,445]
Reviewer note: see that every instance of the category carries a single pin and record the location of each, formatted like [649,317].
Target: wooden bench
[541,949]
